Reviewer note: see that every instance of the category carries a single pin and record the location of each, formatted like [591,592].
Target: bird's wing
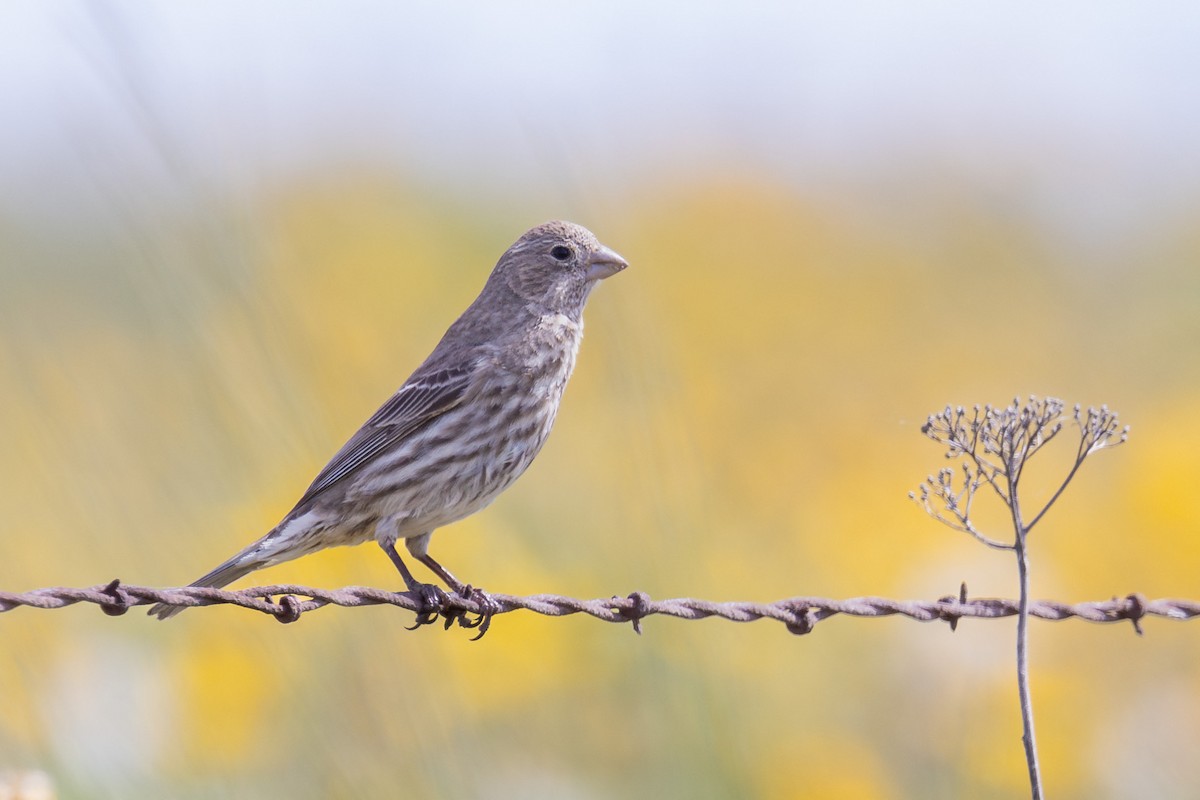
[421,399]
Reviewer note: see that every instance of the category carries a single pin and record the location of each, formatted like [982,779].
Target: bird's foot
[488,608]
[433,603]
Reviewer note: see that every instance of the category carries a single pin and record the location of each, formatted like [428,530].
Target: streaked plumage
[465,424]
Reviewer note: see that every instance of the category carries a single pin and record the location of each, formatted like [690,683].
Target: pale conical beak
[604,263]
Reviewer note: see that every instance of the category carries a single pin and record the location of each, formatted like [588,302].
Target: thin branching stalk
[994,446]
[1028,736]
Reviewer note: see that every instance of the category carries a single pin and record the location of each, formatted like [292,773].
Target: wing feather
[417,402]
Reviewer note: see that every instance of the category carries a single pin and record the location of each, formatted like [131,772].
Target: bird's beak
[604,263]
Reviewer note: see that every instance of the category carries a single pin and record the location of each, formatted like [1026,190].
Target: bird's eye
[561,252]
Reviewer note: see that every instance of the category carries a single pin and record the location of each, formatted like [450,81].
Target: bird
[459,431]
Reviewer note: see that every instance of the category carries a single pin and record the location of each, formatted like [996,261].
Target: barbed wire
[287,602]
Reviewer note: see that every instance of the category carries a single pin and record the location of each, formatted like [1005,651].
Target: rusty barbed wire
[287,602]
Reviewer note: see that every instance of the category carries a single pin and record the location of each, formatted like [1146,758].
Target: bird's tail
[278,545]
[243,563]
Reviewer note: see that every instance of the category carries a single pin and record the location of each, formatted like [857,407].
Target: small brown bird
[462,428]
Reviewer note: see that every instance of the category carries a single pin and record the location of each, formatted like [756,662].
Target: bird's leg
[432,597]
[488,606]
[443,573]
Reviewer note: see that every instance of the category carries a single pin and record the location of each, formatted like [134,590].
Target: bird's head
[556,265]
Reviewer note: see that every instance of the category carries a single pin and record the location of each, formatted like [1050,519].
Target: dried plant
[993,447]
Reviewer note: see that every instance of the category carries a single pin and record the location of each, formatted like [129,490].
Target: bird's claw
[488,607]
[436,603]
[433,603]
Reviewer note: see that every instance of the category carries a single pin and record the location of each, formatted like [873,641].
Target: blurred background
[228,231]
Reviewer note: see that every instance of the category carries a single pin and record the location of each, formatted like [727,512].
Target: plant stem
[1031,756]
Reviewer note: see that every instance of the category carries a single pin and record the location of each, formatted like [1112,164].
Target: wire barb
[800,615]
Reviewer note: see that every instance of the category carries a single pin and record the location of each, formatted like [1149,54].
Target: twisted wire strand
[287,602]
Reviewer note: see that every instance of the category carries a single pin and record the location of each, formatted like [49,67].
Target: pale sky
[1089,107]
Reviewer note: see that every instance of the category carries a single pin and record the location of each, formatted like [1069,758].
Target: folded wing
[414,405]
